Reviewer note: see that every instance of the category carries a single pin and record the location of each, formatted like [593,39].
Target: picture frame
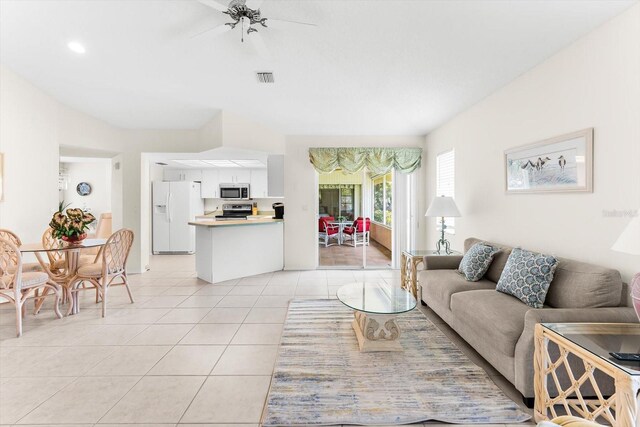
[562,164]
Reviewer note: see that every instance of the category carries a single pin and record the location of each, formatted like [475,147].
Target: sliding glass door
[355,220]
[379,253]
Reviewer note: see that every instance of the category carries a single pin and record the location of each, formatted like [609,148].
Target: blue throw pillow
[527,276]
[476,261]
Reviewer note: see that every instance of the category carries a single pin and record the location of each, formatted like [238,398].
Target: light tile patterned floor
[187,352]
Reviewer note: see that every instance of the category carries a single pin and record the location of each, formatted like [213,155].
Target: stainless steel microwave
[234,191]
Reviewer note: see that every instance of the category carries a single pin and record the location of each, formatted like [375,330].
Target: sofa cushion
[492,315]
[527,276]
[476,261]
[582,285]
[439,285]
[499,260]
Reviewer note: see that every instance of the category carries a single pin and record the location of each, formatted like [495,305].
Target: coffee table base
[376,332]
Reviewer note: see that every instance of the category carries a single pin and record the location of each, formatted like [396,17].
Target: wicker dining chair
[13,238]
[57,259]
[16,286]
[110,270]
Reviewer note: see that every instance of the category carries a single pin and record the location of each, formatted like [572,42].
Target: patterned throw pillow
[476,261]
[527,276]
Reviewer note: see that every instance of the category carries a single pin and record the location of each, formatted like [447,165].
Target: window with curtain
[382,199]
[446,181]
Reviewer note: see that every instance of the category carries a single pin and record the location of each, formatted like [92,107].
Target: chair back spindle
[13,238]
[50,242]
[10,264]
[116,251]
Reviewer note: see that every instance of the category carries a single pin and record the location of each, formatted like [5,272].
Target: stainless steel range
[232,211]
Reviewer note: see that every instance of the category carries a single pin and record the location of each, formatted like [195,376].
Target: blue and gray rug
[321,378]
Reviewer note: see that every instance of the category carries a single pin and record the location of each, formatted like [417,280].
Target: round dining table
[62,276]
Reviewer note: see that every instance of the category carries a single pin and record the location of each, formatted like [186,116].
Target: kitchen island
[232,249]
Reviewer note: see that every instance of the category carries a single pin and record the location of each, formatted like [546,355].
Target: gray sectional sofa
[500,327]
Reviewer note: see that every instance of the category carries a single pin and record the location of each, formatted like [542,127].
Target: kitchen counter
[229,249]
[224,223]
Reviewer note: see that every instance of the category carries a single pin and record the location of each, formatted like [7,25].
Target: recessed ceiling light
[76,47]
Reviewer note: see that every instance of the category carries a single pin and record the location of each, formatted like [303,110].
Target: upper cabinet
[182,175]
[264,183]
[235,175]
[210,188]
[275,176]
[258,189]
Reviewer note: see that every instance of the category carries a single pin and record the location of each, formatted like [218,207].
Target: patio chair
[359,232]
[328,231]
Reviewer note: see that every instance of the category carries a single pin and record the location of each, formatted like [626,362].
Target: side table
[591,344]
[409,262]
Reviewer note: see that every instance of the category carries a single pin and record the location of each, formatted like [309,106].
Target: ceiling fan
[247,17]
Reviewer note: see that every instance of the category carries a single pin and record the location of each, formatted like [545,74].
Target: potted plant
[72,226]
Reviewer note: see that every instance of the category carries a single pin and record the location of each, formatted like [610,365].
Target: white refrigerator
[174,205]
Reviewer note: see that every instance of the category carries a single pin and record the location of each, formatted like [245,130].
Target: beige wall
[33,126]
[381,234]
[593,83]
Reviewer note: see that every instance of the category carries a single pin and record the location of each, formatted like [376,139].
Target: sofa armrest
[442,262]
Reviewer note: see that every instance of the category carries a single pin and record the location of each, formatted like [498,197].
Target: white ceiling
[369,67]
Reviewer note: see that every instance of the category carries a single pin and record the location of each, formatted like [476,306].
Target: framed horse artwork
[560,164]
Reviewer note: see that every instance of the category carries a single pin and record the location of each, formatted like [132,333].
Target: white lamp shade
[443,206]
[629,240]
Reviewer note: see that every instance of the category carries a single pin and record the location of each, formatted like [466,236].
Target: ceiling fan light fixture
[76,47]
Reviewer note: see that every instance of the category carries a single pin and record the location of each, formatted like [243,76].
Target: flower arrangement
[72,226]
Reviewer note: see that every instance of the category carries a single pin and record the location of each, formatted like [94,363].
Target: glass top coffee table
[375,309]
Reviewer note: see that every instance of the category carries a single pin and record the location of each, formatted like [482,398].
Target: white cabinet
[263,183]
[182,175]
[192,175]
[210,188]
[258,189]
[235,175]
[275,175]
[243,176]
[172,174]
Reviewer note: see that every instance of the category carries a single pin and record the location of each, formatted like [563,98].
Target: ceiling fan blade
[215,5]
[279,22]
[259,45]
[215,31]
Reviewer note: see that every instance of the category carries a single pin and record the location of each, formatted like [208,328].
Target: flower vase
[75,239]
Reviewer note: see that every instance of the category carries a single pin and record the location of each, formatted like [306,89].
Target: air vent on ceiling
[162,163]
[265,77]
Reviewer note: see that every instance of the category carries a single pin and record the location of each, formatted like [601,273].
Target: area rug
[321,378]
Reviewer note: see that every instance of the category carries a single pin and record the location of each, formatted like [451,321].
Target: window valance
[338,186]
[376,160]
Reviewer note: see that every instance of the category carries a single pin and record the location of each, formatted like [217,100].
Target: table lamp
[443,207]
[629,243]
